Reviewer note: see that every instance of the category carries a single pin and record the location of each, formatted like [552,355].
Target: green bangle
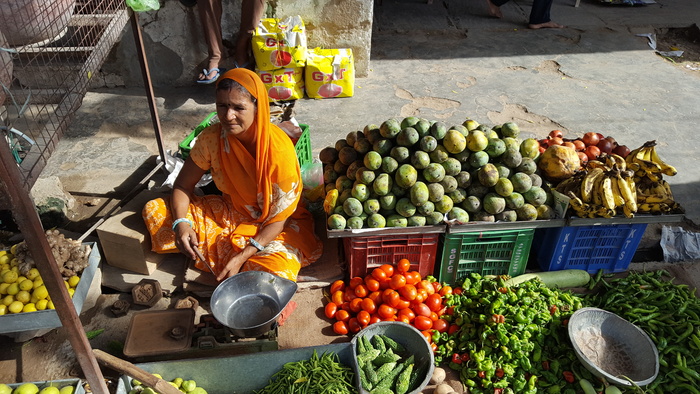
[181,220]
[255,244]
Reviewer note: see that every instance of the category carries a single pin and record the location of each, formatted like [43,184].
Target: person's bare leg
[251,13]
[550,25]
[210,12]
[494,10]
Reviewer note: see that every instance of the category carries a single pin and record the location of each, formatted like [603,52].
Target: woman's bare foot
[494,10]
[550,25]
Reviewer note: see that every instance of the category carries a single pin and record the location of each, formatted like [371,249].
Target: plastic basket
[497,252]
[186,145]
[363,254]
[589,248]
[303,145]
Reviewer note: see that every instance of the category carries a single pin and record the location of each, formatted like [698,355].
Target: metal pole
[141,53]
[29,224]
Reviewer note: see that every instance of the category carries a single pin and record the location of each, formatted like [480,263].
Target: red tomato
[369,305]
[412,277]
[457,291]
[342,315]
[349,294]
[356,305]
[388,268]
[371,283]
[441,325]
[421,295]
[423,323]
[434,347]
[408,292]
[420,309]
[356,281]
[345,306]
[363,318]
[434,316]
[391,297]
[385,311]
[374,319]
[403,266]
[446,290]
[340,328]
[379,275]
[361,291]
[330,310]
[434,302]
[337,285]
[428,334]
[437,286]
[403,304]
[452,329]
[403,318]
[397,281]
[375,296]
[424,284]
[337,297]
[408,313]
[354,325]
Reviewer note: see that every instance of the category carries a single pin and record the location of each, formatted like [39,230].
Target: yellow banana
[630,181]
[620,162]
[627,212]
[654,176]
[597,193]
[667,188]
[605,212]
[658,199]
[630,157]
[607,193]
[598,164]
[588,183]
[617,194]
[666,168]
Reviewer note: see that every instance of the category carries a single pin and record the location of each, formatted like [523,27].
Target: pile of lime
[25,293]
[32,388]
[186,386]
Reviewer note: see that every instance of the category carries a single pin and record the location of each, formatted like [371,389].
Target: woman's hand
[232,267]
[186,240]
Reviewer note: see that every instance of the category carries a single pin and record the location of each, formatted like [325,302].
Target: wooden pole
[29,224]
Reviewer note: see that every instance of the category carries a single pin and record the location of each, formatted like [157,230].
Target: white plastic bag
[173,165]
[679,244]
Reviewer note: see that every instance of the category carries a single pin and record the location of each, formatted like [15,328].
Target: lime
[5,389]
[13,289]
[41,304]
[16,307]
[26,388]
[23,297]
[50,390]
[67,390]
[41,292]
[73,281]
[189,385]
[148,390]
[26,285]
[10,277]
[178,382]
[33,274]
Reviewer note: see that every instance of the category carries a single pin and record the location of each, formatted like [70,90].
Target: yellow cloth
[256,191]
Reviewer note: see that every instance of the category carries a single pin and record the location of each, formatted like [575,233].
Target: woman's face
[236,111]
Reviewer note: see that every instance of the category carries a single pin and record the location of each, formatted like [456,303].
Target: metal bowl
[250,302]
[613,348]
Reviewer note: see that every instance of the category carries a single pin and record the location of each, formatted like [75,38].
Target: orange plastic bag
[280,43]
[330,73]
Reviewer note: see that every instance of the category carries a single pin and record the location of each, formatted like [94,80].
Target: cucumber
[561,279]
[612,390]
[587,387]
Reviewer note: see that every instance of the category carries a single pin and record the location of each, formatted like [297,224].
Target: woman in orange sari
[257,223]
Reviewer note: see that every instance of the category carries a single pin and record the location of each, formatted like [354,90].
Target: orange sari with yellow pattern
[256,191]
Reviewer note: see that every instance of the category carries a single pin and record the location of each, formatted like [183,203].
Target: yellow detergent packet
[280,43]
[330,73]
[283,83]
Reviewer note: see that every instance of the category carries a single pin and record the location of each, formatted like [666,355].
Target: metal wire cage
[49,50]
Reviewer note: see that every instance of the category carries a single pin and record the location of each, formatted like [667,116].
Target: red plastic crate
[363,254]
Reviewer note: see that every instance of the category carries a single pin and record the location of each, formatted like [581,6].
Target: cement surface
[446,61]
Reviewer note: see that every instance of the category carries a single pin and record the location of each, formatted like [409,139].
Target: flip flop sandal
[212,79]
[247,65]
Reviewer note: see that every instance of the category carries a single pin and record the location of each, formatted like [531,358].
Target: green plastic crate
[302,145]
[495,252]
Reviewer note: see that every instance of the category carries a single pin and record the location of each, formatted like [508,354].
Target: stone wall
[176,50]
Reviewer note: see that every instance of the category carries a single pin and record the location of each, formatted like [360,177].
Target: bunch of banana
[645,161]
[607,188]
[655,197]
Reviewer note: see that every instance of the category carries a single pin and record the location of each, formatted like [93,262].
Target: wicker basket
[27,22]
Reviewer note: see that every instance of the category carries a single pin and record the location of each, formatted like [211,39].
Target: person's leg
[539,15]
[251,13]
[210,16]
[495,7]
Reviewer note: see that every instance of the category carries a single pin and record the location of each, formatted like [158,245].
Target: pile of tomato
[389,293]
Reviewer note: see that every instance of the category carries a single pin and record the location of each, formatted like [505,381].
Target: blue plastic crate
[589,248]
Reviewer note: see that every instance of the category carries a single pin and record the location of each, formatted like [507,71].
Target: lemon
[50,305]
[65,282]
[33,274]
[8,300]
[41,292]
[71,291]
[189,385]
[10,277]
[38,282]
[3,311]
[159,376]
[21,278]
[23,297]
[50,390]
[26,285]
[178,382]
[13,289]
[15,307]
[73,281]
[67,390]
[33,300]
[3,288]
[41,305]
[29,308]
[5,258]
[26,388]
[13,249]
[2,274]
[14,263]
[5,266]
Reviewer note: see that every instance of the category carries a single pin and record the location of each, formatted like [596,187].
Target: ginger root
[71,256]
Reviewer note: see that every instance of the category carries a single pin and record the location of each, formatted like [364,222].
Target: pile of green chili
[669,313]
[318,375]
